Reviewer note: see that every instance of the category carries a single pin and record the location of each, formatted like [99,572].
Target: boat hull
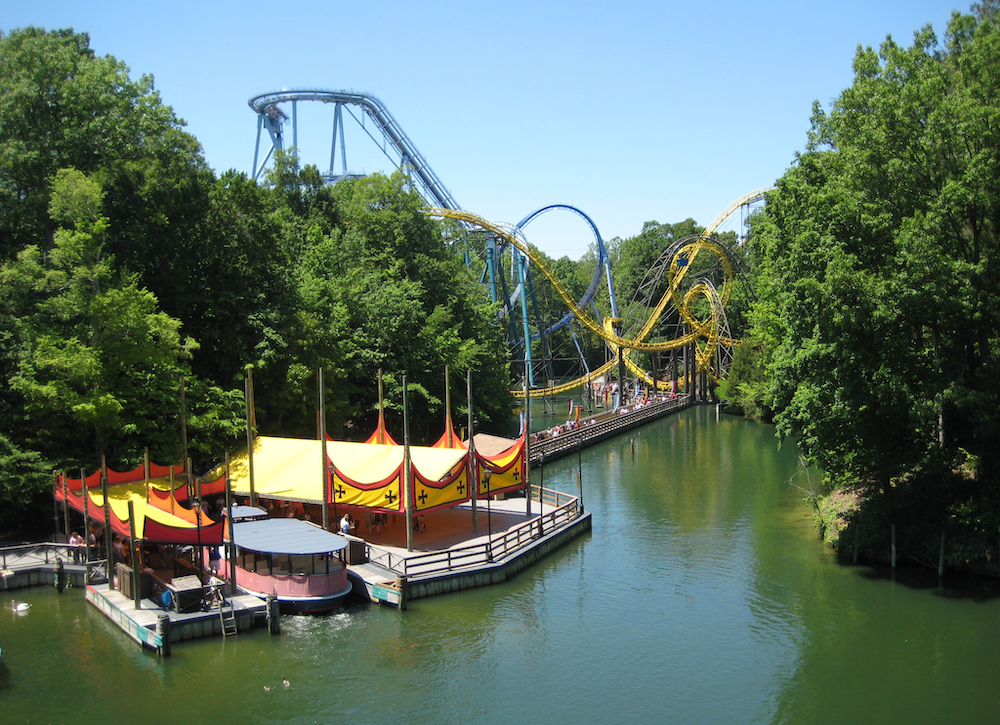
[307,605]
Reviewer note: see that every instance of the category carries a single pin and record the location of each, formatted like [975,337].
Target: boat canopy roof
[285,536]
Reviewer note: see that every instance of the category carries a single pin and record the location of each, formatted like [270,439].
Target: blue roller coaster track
[272,117]
[508,260]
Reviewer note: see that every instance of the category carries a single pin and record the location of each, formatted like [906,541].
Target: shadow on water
[951,586]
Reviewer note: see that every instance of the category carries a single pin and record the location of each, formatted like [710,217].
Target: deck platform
[448,555]
[145,627]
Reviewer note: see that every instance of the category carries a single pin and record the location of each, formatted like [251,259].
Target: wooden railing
[604,426]
[496,547]
[33,554]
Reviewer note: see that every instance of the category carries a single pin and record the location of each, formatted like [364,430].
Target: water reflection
[702,595]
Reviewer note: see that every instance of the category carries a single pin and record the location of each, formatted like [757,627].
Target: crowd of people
[639,402]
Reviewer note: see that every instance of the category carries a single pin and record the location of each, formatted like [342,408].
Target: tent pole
[65,488]
[447,408]
[86,516]
[407,472]
[322,436]
[527,437]
[231,548]
[380,432]
[133,548]
[473,469]
[250,432]
[107,517]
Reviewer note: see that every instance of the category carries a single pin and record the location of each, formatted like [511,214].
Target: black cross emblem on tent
[461,486]
[517,475]
[423,497]
[389,495]
[339,491]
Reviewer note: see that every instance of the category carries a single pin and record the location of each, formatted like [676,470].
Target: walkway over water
[596,428]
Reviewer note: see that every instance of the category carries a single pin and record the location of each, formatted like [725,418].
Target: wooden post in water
[59,575]
[941,556]
[893,553]
[579,473]
[473,468]
[163,629]
[271,612]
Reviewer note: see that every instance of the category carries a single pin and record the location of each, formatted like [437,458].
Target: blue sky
[630,111]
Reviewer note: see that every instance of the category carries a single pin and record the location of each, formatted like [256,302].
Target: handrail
[497,546]
[606,425]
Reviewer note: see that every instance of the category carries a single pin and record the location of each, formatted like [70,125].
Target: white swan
[19,606]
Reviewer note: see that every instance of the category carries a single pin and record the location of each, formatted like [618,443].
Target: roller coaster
[681,303]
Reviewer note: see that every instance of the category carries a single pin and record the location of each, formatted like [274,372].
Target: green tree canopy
[876,264]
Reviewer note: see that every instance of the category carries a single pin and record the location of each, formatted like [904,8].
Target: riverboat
[298,562]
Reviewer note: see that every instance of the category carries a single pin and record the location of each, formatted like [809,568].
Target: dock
[157,628]
[457,548]
[449,555]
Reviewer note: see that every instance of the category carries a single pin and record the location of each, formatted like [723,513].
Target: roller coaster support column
[522,274]
[621,368]
[673,369]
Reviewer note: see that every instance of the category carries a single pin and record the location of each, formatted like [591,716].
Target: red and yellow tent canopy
[159,515]
[373,475]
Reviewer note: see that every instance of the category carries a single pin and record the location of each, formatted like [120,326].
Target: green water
[701,596]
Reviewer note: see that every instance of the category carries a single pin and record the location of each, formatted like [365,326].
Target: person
[214,559]
[76,543]
[118,547]
[345,524]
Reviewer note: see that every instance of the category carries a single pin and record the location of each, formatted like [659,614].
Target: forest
[132,276]
[874,340]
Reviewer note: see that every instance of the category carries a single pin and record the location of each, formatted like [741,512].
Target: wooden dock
[449,555]
[146,624]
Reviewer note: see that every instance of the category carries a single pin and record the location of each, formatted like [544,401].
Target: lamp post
[197,517]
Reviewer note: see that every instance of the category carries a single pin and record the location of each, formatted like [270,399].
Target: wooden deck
[142,624]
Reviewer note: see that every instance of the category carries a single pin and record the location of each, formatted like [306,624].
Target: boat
[300,563]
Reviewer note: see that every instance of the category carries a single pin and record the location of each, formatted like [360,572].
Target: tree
[97,359]
[61,107]
[876,260]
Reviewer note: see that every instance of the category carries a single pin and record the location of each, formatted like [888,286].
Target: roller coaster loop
[712,334]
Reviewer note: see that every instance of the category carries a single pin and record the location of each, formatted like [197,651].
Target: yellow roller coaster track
[678,269]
